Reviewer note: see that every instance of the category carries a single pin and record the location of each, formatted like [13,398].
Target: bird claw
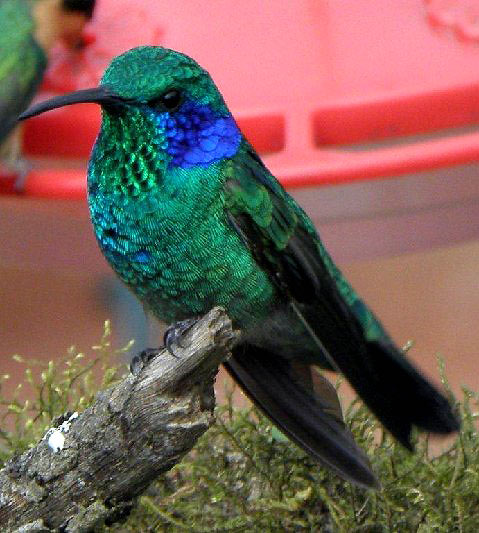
[175,332]
[142,359]
[172,336]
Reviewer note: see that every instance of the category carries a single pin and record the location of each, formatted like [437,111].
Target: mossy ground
[243,475]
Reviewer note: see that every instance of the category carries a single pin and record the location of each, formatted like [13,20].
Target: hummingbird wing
[293,394]
[22,62]
[283,241]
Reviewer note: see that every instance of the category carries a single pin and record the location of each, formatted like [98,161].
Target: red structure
[332,91]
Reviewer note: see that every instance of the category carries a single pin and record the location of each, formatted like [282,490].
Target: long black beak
[102,95]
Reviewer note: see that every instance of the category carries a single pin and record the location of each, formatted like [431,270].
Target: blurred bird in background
[28,31]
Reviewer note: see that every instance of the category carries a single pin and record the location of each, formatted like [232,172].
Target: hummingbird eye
[169,100]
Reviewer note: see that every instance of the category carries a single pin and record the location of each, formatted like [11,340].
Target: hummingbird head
[164,99]
[147,73]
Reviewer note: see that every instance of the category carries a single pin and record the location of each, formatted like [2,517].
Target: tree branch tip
[112,451]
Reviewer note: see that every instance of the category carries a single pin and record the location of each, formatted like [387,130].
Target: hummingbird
[189,217]
[28,30]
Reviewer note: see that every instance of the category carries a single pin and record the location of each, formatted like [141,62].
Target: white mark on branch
[56,440]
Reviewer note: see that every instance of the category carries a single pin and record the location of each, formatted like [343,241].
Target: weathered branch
[117,447]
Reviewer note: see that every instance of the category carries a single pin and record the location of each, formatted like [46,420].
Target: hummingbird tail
[304,406]
[348,335]
[395,391]
[398,394]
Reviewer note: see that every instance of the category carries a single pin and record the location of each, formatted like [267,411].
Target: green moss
[244,476]
[52,388]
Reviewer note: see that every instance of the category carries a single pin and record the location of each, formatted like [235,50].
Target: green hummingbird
[189,217]
[28,30]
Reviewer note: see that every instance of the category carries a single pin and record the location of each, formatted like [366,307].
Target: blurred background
[366,110]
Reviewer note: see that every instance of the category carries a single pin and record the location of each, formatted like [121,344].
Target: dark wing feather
[284,243]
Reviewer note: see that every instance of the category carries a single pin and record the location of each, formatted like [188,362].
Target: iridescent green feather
[253,191]
[195,258]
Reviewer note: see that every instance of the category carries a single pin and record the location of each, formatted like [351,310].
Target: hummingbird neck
[198,135]
[130,156]
[141,149]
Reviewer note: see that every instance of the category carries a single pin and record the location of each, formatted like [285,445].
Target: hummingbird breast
[175,249]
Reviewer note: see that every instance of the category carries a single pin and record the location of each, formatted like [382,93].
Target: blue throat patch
[198,136]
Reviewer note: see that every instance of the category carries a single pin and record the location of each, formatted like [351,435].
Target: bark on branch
[117,447]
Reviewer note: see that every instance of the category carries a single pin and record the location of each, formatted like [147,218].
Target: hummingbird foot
[142,359]
[174,333]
